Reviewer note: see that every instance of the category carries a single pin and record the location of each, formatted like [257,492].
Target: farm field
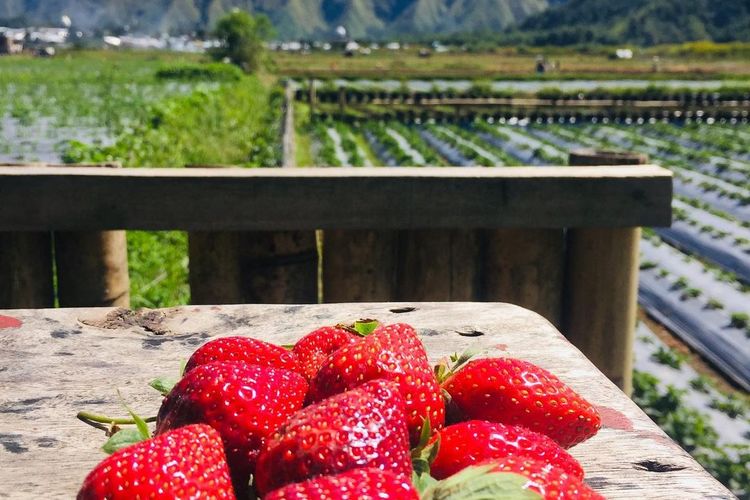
[707,301]
[141,109]
[695,276]
[513,63]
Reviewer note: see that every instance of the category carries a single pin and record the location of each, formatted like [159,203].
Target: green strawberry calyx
[444,369]
[362,327]
[422,457]
[480,482]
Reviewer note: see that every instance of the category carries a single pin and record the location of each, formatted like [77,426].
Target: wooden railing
[558,241]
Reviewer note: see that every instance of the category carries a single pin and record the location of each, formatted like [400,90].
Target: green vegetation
[669,357]
[691,429]
[731,405]
[641,22]
[739,320]
[167,121]
[212,72]
[241,37]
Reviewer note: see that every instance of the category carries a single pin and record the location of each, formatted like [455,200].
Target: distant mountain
[643,22]
[293,19]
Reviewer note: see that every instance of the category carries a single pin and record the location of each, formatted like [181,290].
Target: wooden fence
[558,241]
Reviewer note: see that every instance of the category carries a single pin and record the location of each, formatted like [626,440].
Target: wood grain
[26,270]
[526,267]
[92,268]
[72,198]
[62,361]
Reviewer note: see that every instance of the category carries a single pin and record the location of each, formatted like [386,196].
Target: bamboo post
[525,267]
[601,285]
[26,270]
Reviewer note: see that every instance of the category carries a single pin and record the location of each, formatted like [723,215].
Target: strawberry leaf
[183,365]
[122,439]
[481,483]
[163,384]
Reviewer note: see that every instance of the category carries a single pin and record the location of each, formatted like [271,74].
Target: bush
[681,283]
[691,293]
[732,406]
[241,38]
[739,320]
[647,264]
[215,72]
[714,304]
[701,384]
[669,357]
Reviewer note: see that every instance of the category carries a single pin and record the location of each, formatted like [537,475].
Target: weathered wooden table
[54,363]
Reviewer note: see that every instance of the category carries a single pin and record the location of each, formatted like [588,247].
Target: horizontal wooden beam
[82,198]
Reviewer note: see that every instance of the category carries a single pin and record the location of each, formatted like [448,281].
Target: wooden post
[26,275]
[26,270]
[359,265]
[406,265]
[92,268]
[272,267]
[438,265]
[601,285]
[525,267]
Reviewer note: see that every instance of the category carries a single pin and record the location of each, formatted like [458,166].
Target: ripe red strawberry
[245,403]
[364,427]
[476,441]
[354,484]
[184,463]
[516,392]
[392,352]
[549,481]
[249,350]
[313,349]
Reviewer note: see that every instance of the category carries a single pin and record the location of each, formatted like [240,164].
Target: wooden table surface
[54,363]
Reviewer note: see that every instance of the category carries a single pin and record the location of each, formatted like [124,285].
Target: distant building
[11,42]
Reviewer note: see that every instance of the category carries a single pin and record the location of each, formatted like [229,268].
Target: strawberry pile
[351,412]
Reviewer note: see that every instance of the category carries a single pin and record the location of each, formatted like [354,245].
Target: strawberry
[476,441]
[245,403]
[354,484]
[313,349]
[553,483]
[184,463]
[517,392]
[249,350]
[392,352]
[364,427]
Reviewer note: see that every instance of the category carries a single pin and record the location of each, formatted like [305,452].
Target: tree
[241,38]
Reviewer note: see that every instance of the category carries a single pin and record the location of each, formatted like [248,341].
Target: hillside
[292,18]
[643,22]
